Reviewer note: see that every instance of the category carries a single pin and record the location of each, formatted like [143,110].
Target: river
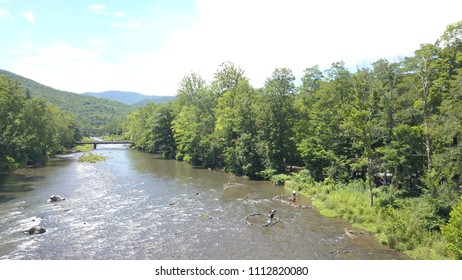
[136,206]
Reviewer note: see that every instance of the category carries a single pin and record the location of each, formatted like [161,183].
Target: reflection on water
[137,206]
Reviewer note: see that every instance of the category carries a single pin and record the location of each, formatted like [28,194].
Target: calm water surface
[137,206]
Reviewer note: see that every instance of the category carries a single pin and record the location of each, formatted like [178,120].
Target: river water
[137,206]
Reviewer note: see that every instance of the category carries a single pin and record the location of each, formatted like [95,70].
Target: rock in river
[34,230]
[55,198]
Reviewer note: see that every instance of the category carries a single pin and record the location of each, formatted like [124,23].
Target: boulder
[55,198]
[35,230]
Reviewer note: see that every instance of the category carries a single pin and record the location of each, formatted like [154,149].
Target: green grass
[92,158]
[400,223]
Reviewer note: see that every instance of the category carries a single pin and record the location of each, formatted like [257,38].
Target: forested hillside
[389,132]
[90,112]
[30,128]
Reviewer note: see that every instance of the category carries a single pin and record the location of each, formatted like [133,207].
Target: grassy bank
[409,225]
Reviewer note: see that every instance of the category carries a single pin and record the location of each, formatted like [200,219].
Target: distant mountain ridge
[130,98]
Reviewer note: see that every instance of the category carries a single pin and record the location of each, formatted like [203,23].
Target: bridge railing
[102,142]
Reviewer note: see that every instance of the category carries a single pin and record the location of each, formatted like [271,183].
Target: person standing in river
[294,197]
[271,217]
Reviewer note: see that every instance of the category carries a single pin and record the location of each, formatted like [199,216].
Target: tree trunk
[425,76]
[370,181]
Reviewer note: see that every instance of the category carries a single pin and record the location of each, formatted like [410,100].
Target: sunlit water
[137,206]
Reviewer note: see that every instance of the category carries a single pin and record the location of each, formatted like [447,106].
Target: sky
[149,46]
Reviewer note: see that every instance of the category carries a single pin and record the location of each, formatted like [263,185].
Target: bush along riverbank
[412,225]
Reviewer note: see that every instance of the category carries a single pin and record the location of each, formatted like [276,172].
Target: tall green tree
[139,127]
[278,96]
[163,139]
[236,130]
[322,144]
[447,124]
[387,78]
[194,124]
[360,121]
[424,65]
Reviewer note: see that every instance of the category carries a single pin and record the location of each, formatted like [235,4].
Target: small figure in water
[271,217]
[294,197]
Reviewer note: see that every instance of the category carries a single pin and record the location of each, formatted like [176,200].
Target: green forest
[379,146]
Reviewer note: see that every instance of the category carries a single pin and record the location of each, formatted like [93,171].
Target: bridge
[95,142]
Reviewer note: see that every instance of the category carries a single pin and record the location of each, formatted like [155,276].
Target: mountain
[131,98]
[90,112]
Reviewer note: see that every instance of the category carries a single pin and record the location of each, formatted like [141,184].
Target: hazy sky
[149,46]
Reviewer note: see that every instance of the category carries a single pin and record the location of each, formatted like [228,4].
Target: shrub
[267,173]
[280,179]
[452,231]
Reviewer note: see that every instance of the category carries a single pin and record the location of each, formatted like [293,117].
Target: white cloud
[98,9]
[29,16]
[5,15]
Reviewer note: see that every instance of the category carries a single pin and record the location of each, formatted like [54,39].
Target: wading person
[271,217]
[294,197]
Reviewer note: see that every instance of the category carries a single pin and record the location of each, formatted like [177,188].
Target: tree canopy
[30,129]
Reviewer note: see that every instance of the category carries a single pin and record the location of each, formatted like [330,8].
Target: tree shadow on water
[16,183]
[6,198]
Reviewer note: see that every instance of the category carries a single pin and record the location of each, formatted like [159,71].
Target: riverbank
[403,224]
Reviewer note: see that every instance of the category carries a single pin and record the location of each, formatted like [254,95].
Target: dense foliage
[393,124]
[30,128]
[452,231]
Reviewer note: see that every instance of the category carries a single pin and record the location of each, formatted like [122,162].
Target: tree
[194,124]
[361,123]
[387,77]
[278,95]
[11,104]
[236,130]
[424,66]
[162,133]
[311,80]
[403,156]
[227,78]
[140,128]
[447,124]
